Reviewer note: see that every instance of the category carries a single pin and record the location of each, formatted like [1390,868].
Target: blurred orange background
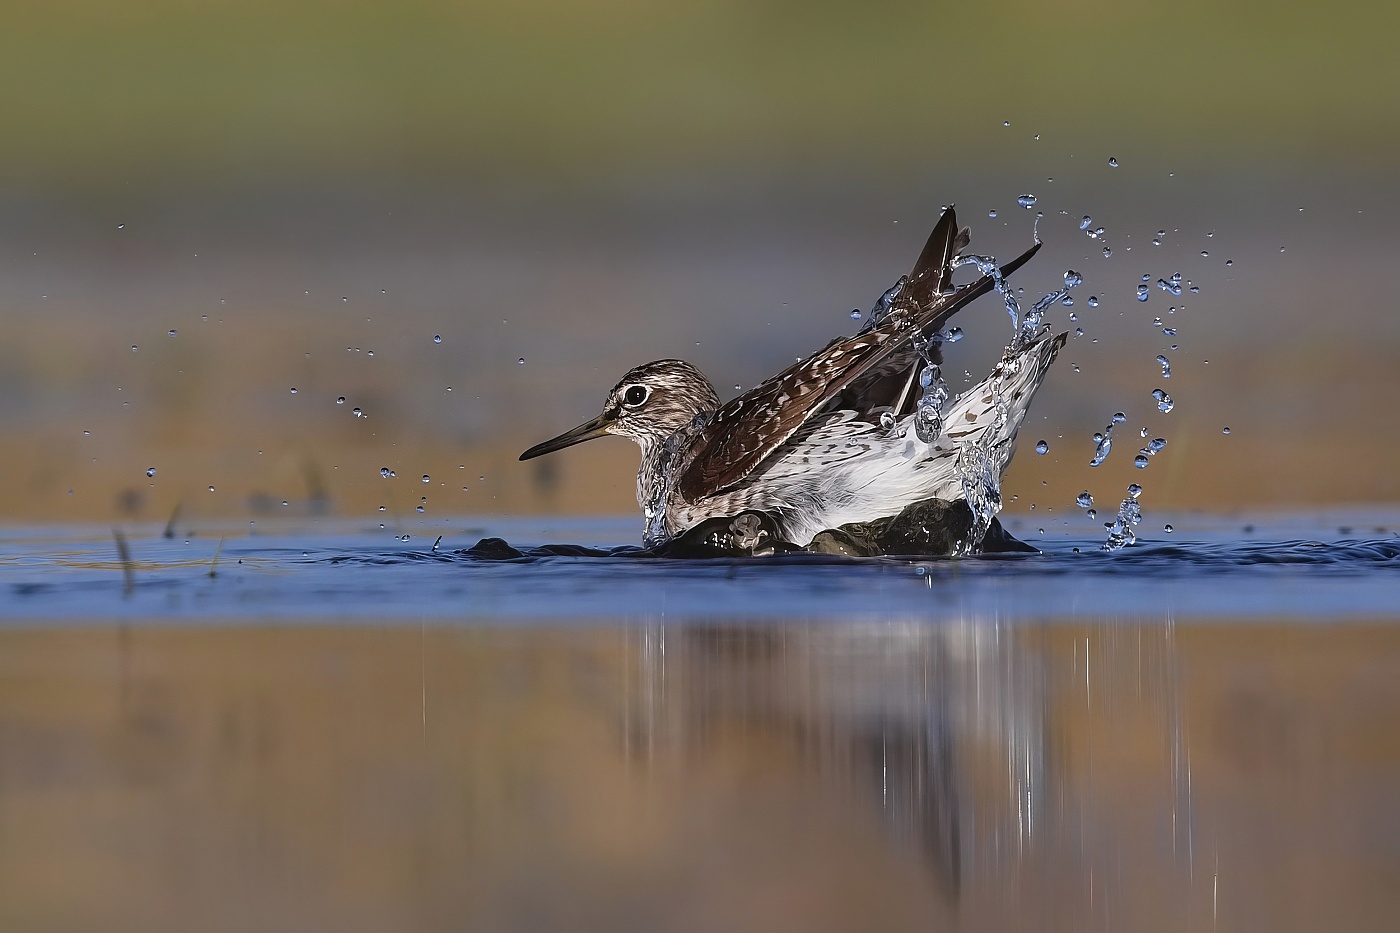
[206,206]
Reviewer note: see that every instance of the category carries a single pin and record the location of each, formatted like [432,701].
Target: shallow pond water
[341,729]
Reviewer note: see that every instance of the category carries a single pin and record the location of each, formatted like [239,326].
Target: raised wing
[749,428]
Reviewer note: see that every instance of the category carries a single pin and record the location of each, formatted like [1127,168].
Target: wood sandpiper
[835,438]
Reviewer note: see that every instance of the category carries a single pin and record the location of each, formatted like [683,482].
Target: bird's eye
[634,396]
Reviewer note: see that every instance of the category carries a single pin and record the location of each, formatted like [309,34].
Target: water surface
[344,730]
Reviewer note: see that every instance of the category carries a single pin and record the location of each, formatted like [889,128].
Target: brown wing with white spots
[749,428]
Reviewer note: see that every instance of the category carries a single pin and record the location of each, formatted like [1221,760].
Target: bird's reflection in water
[940,729]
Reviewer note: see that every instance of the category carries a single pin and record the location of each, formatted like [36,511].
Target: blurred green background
[204,206]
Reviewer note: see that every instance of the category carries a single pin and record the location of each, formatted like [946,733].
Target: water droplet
[1026,200]
[1092,513]
[1169,332]
[1084,500]
[340,401]
[1205,253]
[953,335]
[1119,417]
[1157,444]
[1142,293]
[1229,262]
[1103,444]
[521,361]
[1085,222]
[1093,301]
[420,509]
[1112,162]
[1134,490]
[1072,279]
[1168,529]
[855,314]
[1041,447]
[211,488]
[294,390]
[133,348]
[437,338]
[1079,332]
[1225,430]
[1107,253]
[1164,401]
[992,213]
[151,471]
[1166,365]
[358,413]
[1140,461]
[173,332]
[121,226]
[427,478]
[1005,122]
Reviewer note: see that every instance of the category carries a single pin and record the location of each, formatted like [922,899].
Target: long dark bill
[597,427]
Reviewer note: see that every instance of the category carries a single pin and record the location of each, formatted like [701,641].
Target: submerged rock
[931,528]
[748,534]
[493,549]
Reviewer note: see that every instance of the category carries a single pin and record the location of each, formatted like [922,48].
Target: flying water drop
[1103,443]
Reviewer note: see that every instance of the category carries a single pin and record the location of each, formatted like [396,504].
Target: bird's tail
[990,413]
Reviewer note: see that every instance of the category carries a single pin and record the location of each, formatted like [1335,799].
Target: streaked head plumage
[648,404]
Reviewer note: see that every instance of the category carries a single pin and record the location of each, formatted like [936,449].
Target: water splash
[884,303]
[933,392]
[987,265]
[1120,532]
[981,483]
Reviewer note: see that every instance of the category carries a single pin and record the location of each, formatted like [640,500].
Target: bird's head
[648,405]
